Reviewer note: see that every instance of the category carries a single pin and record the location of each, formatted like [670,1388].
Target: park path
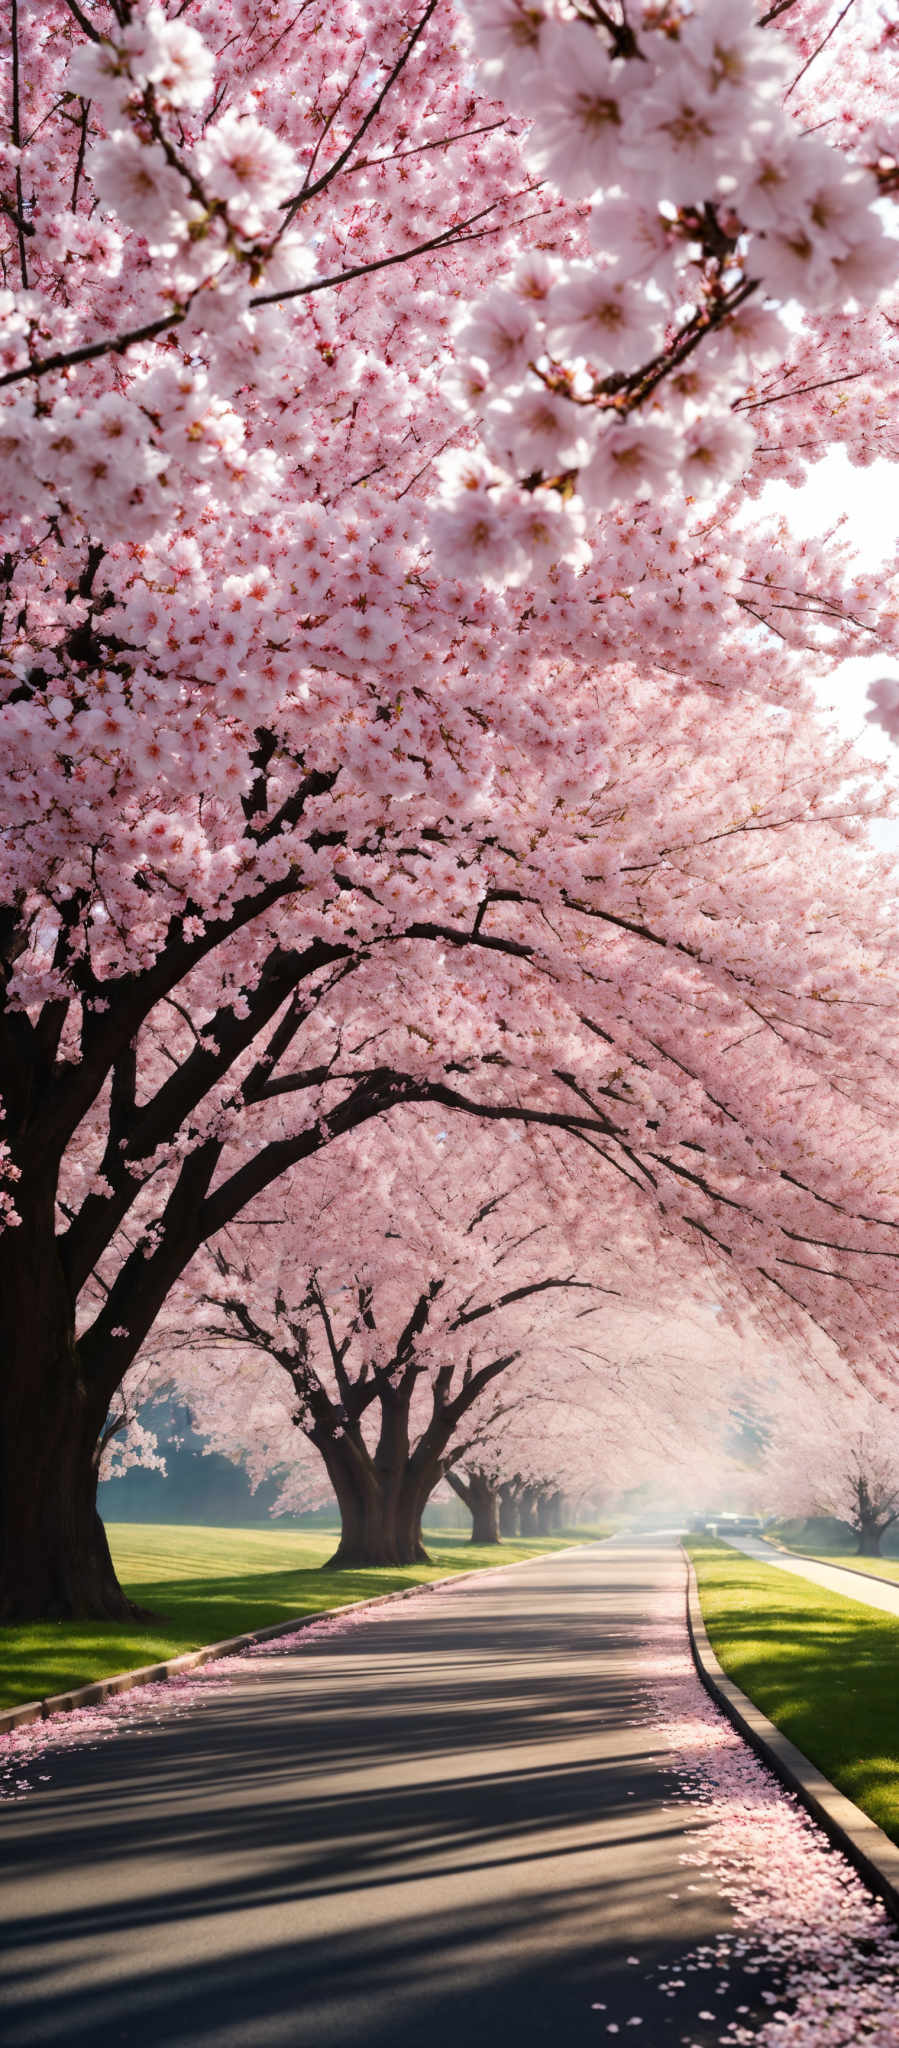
[454,1826]
[869,1592]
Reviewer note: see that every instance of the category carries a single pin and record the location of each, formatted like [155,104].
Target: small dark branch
[87,26]
[798,390]
[17,143]
[82,145]
[489,1308]
[475,1385]
[399,156]
[354,1402]
[116,344]
[825,39]
[452,235]
[416,1322]
[309,191]
[449,935]
[114,1426]
[320,141]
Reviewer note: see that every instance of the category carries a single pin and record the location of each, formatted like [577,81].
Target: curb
[864,1844]
[152,1674]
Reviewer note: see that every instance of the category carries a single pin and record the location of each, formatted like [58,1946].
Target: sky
[870,500]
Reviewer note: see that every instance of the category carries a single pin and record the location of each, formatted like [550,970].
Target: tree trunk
[54,1558]
[484,1510]
[527,1509]
[482,1502]
[508,1509]
[375,1528]
[381,1505]
[556,1510]
[544,1514]
[870,1535]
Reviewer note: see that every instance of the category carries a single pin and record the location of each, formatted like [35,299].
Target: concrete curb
[152,1674]
[865,1845]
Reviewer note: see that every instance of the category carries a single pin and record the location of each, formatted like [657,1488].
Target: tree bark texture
[481,1500]
[509,1522]
[381,1494]
[54,1556]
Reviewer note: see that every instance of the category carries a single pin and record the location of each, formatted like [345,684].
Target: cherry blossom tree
[840,1458]
[300,822]
[645,1400]
[392,1309]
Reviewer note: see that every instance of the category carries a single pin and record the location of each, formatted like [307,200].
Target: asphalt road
[449,1828]
[855,1585]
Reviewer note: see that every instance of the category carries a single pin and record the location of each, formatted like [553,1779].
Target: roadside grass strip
[822,1667]
[205,1585]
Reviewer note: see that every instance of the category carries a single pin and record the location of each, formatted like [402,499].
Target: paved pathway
[869,1592]
[450,1827]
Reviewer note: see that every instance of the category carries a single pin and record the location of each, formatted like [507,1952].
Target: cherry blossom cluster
[306,818]
[713,214]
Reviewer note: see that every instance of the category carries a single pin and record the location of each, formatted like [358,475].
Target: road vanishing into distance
[453,1826]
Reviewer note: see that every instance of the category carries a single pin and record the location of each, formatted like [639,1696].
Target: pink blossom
[635,459]
[614,325]
[245,163]
[134,180]
[582,103]
[170,55]
[502,332]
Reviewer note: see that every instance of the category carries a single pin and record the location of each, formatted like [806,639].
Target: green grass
[202,1585]
[824,1668]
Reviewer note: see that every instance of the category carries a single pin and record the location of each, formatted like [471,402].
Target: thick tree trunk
[527,1509]
[54,1557]
[482,1502]
[380,1509]
[484,1510]
[556,1510]
[374,1528]
[870,1536]
[509,1523]
[544,1514]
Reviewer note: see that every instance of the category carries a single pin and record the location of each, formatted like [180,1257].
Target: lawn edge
[811,1557]
[151,1674]
[861,1841]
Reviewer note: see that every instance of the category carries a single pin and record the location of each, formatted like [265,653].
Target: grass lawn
[206,1584]
[823,1668]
